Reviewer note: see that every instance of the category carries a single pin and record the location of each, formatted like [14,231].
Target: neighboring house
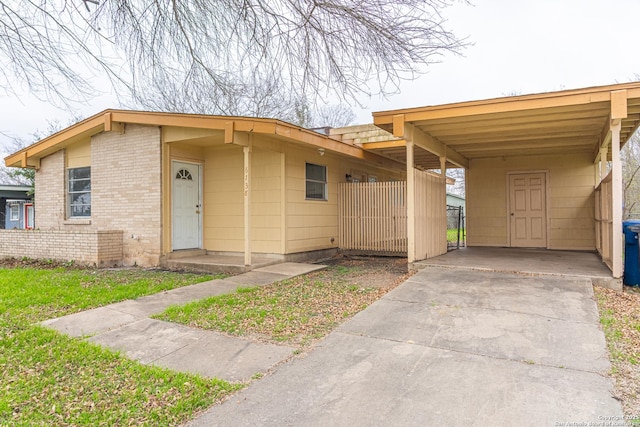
[455,200]
[132,187]
[16,207]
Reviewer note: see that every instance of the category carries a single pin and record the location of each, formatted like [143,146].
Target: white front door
[186,206]
[528,216]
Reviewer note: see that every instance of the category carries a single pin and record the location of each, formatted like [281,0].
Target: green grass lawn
[620,319]
[452,234]
[47,378]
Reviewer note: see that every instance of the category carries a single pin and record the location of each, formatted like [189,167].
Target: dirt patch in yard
[620,318]
[369,271]
[46,264]
[297,311]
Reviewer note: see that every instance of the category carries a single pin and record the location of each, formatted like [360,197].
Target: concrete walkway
[126,327]
[448,347]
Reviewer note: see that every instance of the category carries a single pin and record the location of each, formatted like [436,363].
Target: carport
[542,170]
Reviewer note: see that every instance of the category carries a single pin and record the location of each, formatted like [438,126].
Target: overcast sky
[518,46]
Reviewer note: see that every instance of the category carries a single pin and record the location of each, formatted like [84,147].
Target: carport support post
[616,199]
[411,194]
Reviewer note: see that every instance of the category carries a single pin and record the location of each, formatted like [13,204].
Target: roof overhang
[233,129]
[570,121]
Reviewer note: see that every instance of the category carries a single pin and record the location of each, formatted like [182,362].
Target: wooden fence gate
[372,217]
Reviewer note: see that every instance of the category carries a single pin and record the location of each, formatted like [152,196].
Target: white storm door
[186,206]
[528,206]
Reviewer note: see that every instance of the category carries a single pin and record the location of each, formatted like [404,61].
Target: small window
[14,213]
[316,182]
[184,174]
[79,192]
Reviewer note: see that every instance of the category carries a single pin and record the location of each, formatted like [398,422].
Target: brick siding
[125,194]
[99,248]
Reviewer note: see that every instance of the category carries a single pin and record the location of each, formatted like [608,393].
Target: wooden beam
[171,134]
[509,104]
[398,126]
[235,137]
[432,145]
[111,126]
[85,128]
[229,128]
[617,201]
[509,120]
[394,143]
[618,105]
[235,131]
[411,204]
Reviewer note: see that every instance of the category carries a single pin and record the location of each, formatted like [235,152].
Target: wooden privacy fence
[604,220]
[431,215]
[372,217]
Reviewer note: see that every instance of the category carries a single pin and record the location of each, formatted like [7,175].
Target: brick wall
[100,248]
[125,192]
[50,192]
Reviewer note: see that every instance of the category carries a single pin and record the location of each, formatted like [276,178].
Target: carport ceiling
[572,121]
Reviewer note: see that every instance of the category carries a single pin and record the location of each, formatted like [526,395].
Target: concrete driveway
[449,347]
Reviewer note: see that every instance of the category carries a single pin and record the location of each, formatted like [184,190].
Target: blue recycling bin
[631,229]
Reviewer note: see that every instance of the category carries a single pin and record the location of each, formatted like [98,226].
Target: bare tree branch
[630,159]
[219,49]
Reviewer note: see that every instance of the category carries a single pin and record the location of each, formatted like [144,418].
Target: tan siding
[79,155]
[187,153]
[570,196]
[266,203]
[223,214]
[224,202]
[312,224]
[486,202]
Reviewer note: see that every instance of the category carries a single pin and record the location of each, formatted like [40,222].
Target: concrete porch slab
[217,263]
[257,278]
[553,297]
[291,269]
[522,261]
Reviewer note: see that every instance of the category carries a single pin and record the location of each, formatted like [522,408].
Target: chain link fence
[455,227]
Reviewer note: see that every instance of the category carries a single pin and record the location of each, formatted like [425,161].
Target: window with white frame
[79,192]
[316,182]
[14,212]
